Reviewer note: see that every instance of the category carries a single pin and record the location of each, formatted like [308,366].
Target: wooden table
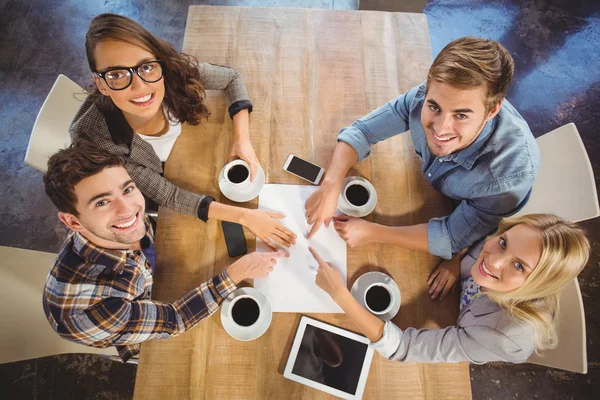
[309,73]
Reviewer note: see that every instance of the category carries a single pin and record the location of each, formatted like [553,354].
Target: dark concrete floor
[555,46]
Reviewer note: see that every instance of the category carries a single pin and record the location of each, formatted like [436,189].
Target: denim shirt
[490,179]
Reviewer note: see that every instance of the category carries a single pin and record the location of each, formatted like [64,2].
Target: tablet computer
[330,359]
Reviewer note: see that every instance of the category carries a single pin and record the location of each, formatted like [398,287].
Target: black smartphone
[234,239]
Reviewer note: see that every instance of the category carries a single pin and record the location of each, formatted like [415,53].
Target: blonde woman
[510,287]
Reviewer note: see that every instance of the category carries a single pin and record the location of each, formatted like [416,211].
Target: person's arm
[262,223]
[471,221]
[230,81]
[330,280]
[357,232]
[383,123]
[217,77]
[321,205]
[167,194]
[476,218]
[477,343]
[367,323]
[242,147]
[122,321]
[474,343]
[354,144]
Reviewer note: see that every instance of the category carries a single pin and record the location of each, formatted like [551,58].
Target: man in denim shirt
[474,146]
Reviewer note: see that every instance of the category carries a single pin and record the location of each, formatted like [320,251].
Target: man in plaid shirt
[99,291]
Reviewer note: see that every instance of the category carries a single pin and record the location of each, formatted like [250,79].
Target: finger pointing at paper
[328,277]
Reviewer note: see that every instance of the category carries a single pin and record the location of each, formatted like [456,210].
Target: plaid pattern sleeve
[100,298]
[219,77]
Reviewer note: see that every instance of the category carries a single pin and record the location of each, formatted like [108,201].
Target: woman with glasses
[510,286]
[144,90]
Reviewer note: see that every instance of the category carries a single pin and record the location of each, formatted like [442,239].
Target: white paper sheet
[291,286]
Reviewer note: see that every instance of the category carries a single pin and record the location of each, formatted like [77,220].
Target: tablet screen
[329,356]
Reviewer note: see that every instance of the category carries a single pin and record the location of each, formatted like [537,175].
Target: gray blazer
[102,123]
[484,332]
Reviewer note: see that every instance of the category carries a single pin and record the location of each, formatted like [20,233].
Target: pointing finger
[316,256]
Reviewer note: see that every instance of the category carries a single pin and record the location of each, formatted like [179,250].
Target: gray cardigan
[484,332]
[102,123]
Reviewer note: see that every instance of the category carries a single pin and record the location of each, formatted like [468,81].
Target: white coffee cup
[392,300]
[362,197]
[244,321]
[236,166]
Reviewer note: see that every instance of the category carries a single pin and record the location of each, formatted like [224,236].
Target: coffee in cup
[245,311]
[378,298]
[238,173]
[357,194]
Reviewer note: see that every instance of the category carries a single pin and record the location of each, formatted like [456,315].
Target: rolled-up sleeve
[386,121]
[476,218]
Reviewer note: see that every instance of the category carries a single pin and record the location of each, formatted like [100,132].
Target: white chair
[565,184]
[51,129]
[571,353]
[25,332]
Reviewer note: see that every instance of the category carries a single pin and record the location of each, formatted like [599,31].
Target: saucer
[369,278]
[362,211]
[260,326]
[233,193]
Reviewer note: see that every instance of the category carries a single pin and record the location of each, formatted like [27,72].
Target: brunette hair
[469,62]
[70,166]
[184,93]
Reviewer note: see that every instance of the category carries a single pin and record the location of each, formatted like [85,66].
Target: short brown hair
[469,62]
[70,166]
[184,92]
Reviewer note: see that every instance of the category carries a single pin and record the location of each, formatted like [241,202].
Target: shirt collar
[467,156]
[112,259]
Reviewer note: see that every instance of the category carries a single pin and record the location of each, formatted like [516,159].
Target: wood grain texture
[309,73]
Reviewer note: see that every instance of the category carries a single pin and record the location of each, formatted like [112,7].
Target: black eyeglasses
[120,78]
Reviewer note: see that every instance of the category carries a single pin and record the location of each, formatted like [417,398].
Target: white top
[163,144]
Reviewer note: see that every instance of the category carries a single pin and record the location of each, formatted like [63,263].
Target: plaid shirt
[101,297]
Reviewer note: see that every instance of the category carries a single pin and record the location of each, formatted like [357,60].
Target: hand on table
[254,265]
[328,277]
[265,226]
[355,231]
[242,148]
[443,278]
[320,207]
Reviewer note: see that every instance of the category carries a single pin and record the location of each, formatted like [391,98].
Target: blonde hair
[469,62]
[565,252]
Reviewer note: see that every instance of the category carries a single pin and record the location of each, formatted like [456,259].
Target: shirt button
[429,175]
[440,160]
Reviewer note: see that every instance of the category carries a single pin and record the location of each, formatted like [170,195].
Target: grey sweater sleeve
[476,343]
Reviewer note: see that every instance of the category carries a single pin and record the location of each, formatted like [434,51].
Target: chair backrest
[565,184]
[25,332]
[51,129]
[571,353]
